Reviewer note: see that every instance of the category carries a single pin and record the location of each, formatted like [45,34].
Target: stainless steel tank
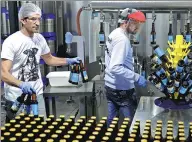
[50,22]
[51,43]
[4,21]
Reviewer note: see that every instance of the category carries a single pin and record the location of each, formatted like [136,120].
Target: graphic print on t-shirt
[29,70]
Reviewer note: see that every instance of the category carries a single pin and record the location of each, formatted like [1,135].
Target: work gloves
[142,81]
[68,38]
[27,88]
[71,61]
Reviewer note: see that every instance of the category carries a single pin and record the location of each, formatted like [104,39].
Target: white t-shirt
[24,52]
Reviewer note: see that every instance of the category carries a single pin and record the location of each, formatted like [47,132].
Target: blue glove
[71,61]
[68,38]
[142,81]
[27,88]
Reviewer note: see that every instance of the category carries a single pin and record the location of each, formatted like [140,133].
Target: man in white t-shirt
[20,56]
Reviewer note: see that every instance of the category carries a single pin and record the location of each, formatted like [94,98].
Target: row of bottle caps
[29,128]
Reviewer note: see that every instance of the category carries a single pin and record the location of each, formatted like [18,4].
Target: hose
[78,21]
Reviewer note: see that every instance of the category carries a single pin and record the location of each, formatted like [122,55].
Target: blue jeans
[120,101]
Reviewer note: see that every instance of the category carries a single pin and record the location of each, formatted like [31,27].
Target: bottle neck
[153,27]
[101,26]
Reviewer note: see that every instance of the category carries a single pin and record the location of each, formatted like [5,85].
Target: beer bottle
[73,119]
[188,35]
[101,34]
[160,53]
[22,116]
[52,118]
[170,88]
[51,128]
[38,121]
[17,104]
[180,66]
[12,122]
[183,89]
[97,136]
[31,116]
[7,126]
[71,74]
[33,124]
[83,72]
[155,59]
[41,118]
[68,138]
[45,124]
[153,34]
[59,121]
[27,120]
[24,132]
[35,132]
[48,120]
[55,125]
[3,130]
[70,122]
[84,135]
[75,76]
[79,138]
[31,137]
[2,138]
[172,73]
[12,131]
[26,106]
[170,33]
[71,133]
[34,105]
[63,130]
[7,136]
[43,136]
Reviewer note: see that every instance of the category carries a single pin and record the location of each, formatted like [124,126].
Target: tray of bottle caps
[36,129]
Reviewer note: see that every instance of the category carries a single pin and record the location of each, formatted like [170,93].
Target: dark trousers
[120,101]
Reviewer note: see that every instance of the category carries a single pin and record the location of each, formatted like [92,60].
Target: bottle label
[179,69]
[182,90]
[185,60]
[159,86]
[75,78]
[188,38]
[101,37]
[26,109]
[156,60]
[85,75]
[159,52]
[170,38]
[153,38]
[34,108]
[162,70]
[15,106]
[164,81]
[176,83]
[158,73]
[159,62]
[171,90]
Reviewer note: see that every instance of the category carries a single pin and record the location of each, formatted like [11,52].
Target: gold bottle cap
[156,141]
[51,127]
[182,139]
[95,133]
[22,122]
[88,124]
[126,119]
[123,126]
[50,140]
[41,116]
[30,135]
[181,130]
[91,137]
[21,114]
[170,122]
[93,117]
[82,117]
[100,125]
[12,121]
[47,131]
[54,136]
[145,136]
[132,135]
[134,131]
[170,129]
[77,124]
[72,117]
[143,140]
[2,128]
[120,134]
[118,139]
[62,116]
[170,125]
[31,115]
[37,119]
[159,125]
[2,138]
[7,124]
[44,123]
[70,132]
[157,133]
[48,119]
[149,125]
[54,123]
[181,134]
[18,134]
[102,121]
[65,124]
[69,120]
[79,137]
[145,132]
[122,130]
[131,140]
[75,141]
[25,139]
[17,117]
[97,129]
[147,128]
[17,126]
[23,130]
[169,141]
[115,118]
[58,131]
[169,137]
[58,120]
[169,133]
[190,123]
[62,140]
[114,122]
[157,137]
[12,139]
[28,126]
[6,133]
[158,129]
[73,128]
[33,122]
[79,120]
[82,132]
[38,140]
[66,136]
[148,121]
[42,135]
[110,129]
[107,134]
[112,126]
[51,116]
[105,138]
[90,121]
[35,130]
[181,127]
[159,121]
[12,130]
[181,123]
[39,127]
[126,123]
[85,128]
[104,118]
[135,127]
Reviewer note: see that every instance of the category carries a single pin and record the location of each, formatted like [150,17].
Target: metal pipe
[142,4]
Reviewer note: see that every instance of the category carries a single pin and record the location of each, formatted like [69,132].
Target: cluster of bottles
[27,103]
[27,128]
[174,83]
[77,69]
